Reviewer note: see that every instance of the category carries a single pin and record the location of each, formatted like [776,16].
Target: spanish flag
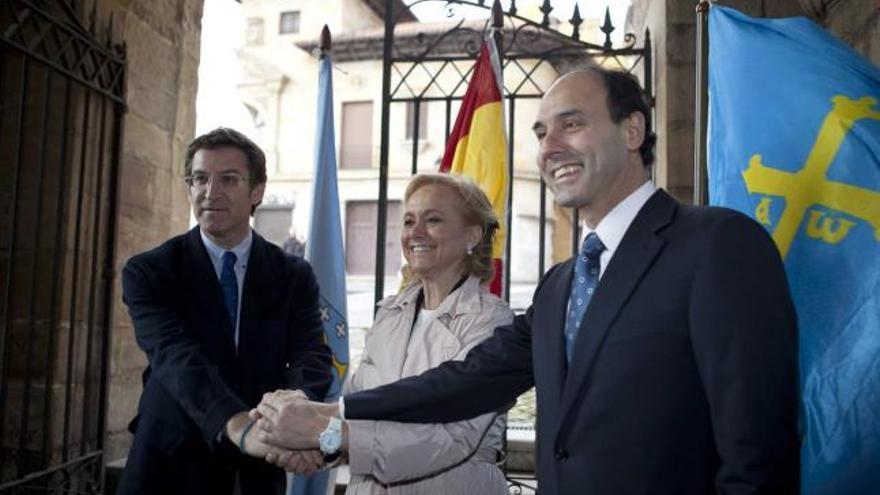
[477,145]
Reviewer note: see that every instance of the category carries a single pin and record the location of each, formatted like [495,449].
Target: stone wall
[162,39]
[855,22]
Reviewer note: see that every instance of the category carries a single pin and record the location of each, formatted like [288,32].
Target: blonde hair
[475,208]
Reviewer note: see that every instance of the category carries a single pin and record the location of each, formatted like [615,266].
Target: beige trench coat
[455,458]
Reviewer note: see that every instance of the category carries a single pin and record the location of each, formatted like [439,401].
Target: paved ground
[360,317]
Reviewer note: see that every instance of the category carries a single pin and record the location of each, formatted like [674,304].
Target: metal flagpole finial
[703,6]
[325,43]
[497,18]
[497,15]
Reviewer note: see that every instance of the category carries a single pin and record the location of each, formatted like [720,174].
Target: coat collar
[465,300]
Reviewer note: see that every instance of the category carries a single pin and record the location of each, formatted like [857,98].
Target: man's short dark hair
[625,96]
[224,137]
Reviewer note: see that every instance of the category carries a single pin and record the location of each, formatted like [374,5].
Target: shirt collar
[241,250]
[614,225]
[463,300]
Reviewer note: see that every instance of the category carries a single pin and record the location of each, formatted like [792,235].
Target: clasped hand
[290,425]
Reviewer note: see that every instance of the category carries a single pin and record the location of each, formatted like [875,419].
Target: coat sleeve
[177,360]
[309,357]
[744,333]
[490,378]
[393,452]
[355,380]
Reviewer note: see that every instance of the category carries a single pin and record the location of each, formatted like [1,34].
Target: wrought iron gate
[61,108]
[434,66]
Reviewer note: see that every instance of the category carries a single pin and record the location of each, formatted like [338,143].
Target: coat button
[561,455]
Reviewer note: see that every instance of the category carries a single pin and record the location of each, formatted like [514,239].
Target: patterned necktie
[583,283]
[229,284]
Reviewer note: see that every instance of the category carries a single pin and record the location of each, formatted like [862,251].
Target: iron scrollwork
[63,42]
[418,65]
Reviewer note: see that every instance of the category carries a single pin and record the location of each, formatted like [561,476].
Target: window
[289,22]
[423,119]
[357,135]
[360,236]
[273,221]
[254,34]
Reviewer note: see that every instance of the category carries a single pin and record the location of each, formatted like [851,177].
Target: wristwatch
[330,440]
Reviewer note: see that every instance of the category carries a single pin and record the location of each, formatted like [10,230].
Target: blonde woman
[442,311]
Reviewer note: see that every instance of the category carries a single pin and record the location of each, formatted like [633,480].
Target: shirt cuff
[342,407]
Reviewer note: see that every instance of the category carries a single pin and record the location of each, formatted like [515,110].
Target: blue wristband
[247,429]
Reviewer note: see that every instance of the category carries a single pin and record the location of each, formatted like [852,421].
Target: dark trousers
[189,467]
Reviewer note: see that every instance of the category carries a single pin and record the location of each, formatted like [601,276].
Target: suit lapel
[395,347]
[201,278]
[634,256]
[258,294]
[552,338]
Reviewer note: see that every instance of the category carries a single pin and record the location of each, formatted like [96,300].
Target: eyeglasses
[226,180]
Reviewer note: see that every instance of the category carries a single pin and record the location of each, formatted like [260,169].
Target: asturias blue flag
[794,141]
[324,250]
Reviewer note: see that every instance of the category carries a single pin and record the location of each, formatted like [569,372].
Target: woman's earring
[470,251]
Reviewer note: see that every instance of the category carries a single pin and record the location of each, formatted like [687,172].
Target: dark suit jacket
[684,376]
[196,381]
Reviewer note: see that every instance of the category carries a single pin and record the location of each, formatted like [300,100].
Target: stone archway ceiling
[378,6]
[815,8]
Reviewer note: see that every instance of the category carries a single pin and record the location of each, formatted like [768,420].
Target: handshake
[284,429]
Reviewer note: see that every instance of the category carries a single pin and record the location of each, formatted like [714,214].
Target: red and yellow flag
[477,145]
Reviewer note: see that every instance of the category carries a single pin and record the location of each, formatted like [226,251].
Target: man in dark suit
[223,317]
[664,354]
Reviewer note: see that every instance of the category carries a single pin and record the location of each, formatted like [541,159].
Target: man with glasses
[223,317]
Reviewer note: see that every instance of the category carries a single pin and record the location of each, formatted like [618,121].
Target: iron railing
[437,66]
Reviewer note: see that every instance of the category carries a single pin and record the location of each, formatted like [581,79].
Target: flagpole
[497,24]
[498,38]
[382,216]
[701,193]
[324,43]
[325,251]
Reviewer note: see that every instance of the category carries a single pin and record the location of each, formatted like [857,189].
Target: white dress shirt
[615,224]
[242,251]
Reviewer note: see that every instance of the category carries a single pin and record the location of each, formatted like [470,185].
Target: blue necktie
[229,284]
[583,284]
